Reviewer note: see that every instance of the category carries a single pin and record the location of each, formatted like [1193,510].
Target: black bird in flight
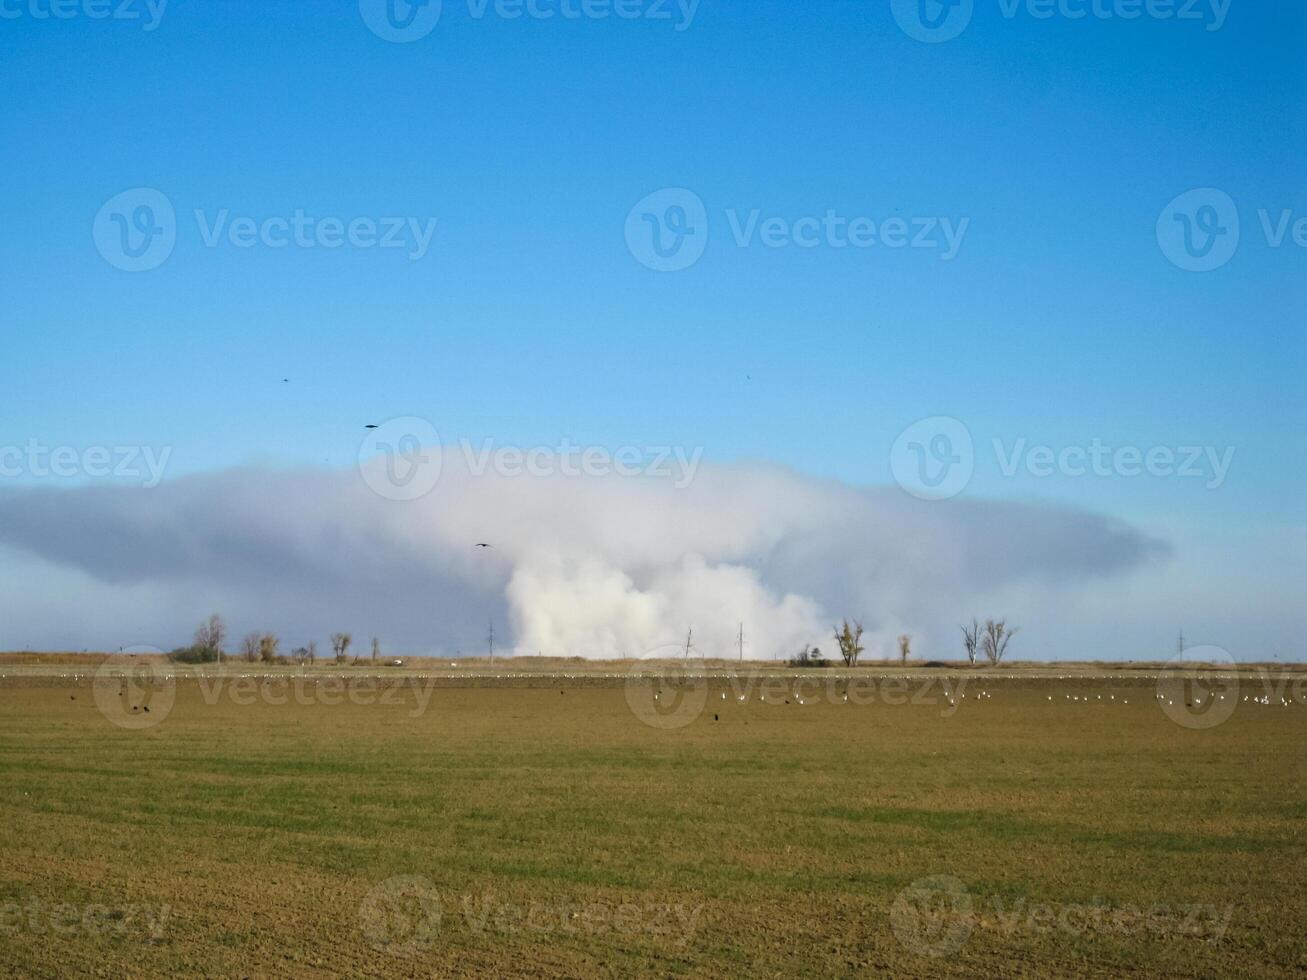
[369,426]
[482,544]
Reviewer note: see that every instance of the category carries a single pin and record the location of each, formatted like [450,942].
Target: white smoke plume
[591,566]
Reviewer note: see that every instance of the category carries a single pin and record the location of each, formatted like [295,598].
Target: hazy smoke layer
[590,566]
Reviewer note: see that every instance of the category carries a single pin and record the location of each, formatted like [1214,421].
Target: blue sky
[1060,320]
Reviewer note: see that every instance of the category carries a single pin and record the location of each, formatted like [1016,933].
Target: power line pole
[740,641]
[689,638]
[490,640]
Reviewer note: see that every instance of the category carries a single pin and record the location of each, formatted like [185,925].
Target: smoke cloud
[591,566]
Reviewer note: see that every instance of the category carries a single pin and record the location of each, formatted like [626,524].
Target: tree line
[209,645]
[989,640]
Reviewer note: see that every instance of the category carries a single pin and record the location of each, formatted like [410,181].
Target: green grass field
[498,829]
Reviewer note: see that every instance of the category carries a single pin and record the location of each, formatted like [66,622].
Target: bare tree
[376,649]
[849,637]
[268,644]
[971,640]
[312,651]
[340,646]
[210,636]
[250,646]
[905,647]
[996,638]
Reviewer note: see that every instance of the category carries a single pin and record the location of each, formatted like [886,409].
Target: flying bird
[369,426]
[482,544]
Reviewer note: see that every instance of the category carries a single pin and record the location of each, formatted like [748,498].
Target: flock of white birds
[1198,699]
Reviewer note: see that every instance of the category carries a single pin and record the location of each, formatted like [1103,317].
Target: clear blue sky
[1060,320]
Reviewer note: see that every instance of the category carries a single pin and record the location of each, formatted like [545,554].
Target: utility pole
[740,641]
[1179,644]
[689,642]
[490,641]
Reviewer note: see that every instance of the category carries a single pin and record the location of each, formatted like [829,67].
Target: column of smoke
[592,566]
